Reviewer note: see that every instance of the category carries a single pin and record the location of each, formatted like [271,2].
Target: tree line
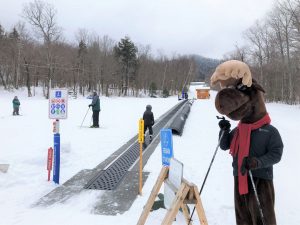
[43,57]
[273,51]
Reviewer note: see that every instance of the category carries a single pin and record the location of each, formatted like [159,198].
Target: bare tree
[42,16]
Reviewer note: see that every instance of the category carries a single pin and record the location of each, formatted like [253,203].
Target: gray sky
[206,27]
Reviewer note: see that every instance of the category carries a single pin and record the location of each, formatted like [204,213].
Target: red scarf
[240,146]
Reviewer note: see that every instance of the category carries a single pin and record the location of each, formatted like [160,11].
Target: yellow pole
[141,169]
[141,141]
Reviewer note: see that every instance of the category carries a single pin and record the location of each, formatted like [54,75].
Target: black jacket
[148,118]
[265,144]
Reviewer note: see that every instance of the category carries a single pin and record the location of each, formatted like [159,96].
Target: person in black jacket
[255,145]
[265,150]
[148,121]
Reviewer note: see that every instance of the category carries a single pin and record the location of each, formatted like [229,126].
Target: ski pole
[257,199]
[212,160]
[84,117]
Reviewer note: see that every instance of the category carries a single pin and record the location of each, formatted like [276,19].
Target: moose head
[240,97]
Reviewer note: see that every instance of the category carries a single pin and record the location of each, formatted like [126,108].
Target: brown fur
[246,209]
[242,99]
[247,106]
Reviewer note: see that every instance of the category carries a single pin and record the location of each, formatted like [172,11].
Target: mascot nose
[229,100]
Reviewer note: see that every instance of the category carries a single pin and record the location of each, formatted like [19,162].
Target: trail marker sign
[58,104]
[166,146]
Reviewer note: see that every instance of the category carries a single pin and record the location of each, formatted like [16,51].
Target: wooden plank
[180,196]
[186,214]
[199,207]
[162,176]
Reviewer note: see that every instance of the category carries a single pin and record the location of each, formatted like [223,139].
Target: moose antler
[232,69]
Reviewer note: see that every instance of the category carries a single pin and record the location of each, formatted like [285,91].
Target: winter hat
[149,107]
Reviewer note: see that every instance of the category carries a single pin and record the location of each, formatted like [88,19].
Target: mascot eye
[241,87]
[244,89]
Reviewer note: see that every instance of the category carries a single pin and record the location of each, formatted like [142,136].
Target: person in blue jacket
[96,110]
[16,106]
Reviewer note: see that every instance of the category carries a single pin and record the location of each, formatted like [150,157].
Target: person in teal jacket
[16,105]
[96,109]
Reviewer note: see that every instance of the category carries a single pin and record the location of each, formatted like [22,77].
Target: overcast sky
[206,27]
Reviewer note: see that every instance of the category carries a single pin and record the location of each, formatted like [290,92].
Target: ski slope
[25,140]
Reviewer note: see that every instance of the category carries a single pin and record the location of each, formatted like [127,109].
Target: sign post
[166,146]
[56,163]
[141,141]
[58,109]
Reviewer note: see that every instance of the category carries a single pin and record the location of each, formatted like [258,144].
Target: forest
[36,53]
[273,50]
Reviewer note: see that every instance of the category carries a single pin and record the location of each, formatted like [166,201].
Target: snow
[25,140]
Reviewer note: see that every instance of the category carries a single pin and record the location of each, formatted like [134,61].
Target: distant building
[200,90]
[196,83]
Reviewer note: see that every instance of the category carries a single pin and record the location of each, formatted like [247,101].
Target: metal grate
[110,178]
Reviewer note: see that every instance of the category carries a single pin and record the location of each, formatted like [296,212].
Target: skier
[96,109]
[16,105]
[148,121]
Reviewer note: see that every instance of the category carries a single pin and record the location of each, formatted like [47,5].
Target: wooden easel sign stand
[187,194]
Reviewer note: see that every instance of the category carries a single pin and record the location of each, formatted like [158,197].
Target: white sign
[175,172]
[58,104]
[173,183]
[169,195]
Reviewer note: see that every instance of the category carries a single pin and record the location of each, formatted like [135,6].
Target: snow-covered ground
[25,140]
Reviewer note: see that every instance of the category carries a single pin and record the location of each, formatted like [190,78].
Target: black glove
[249,163]
[224,124]
[90,105]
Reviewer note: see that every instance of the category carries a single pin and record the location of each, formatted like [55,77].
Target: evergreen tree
[126,53]
[82,55]
[152,89]
[82,49]
[1,32]
[165,93]
[14,34]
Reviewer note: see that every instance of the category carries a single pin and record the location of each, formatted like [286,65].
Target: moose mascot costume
[254,144]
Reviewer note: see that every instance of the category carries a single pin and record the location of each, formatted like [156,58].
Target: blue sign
[166,146]
[56,162]
[57,94]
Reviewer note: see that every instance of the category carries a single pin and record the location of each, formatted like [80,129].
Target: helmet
[149,107]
